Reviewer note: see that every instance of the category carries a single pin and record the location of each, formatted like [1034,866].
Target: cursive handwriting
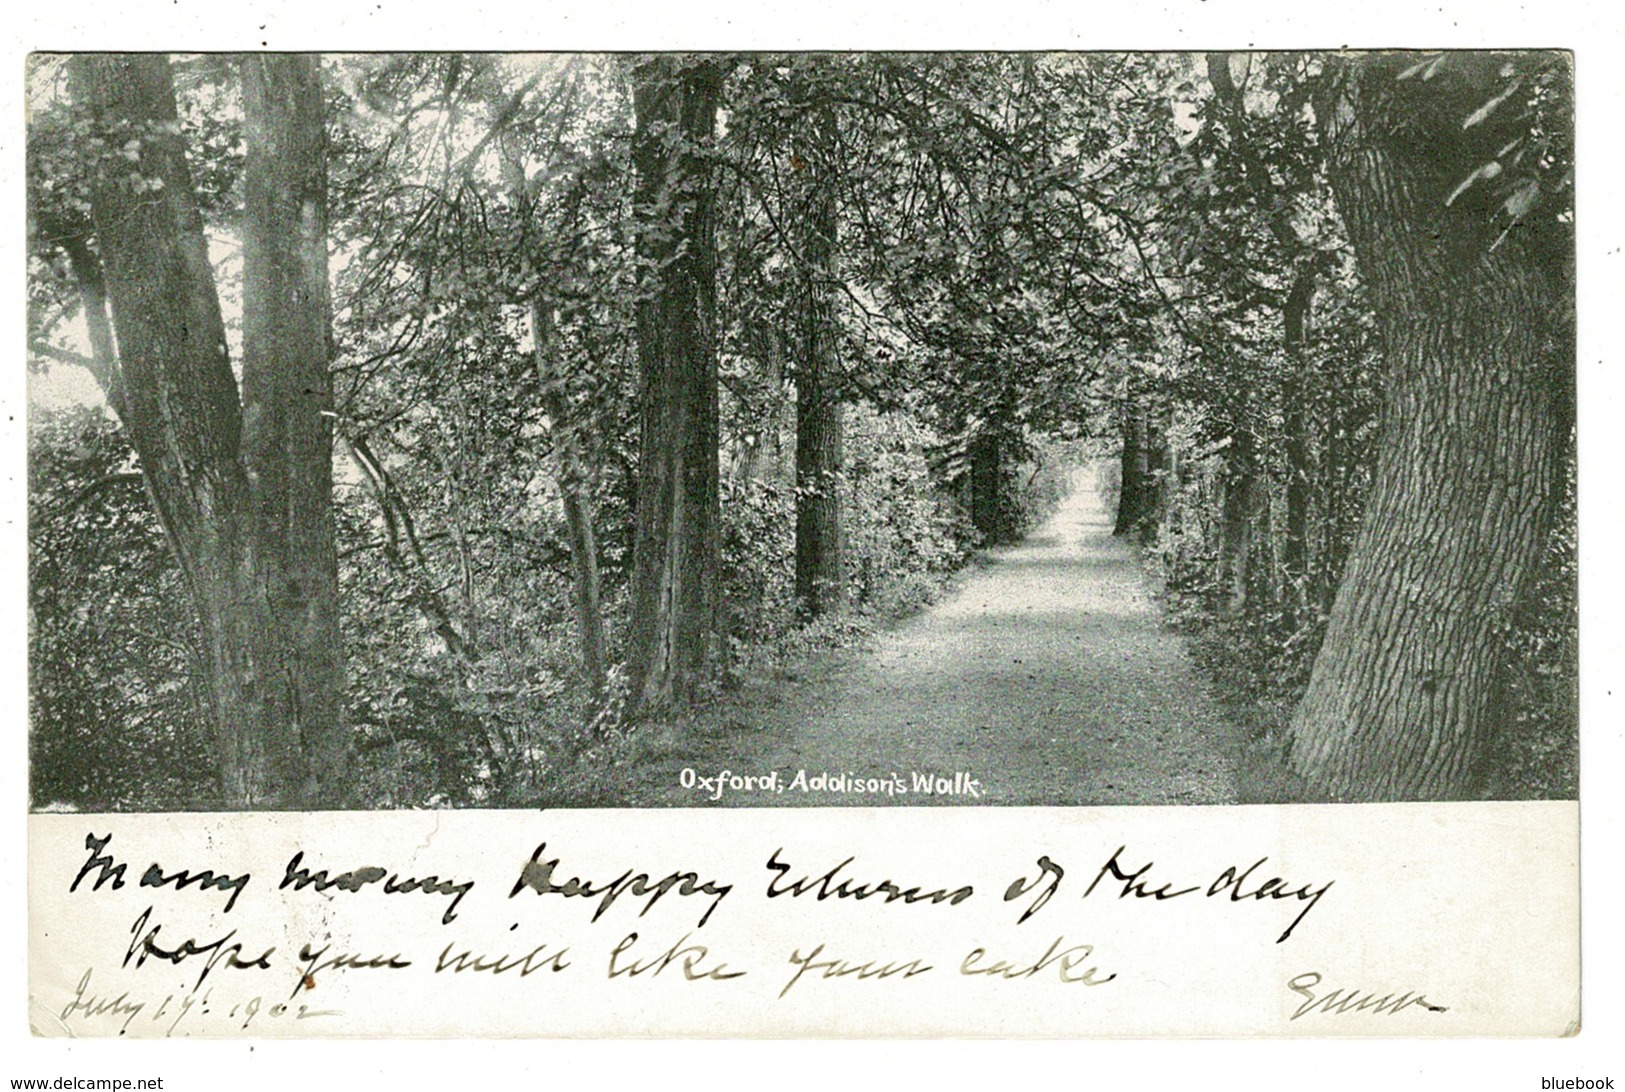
[1340,1001]
[1065,960]
[537,875]
[846,889]
[300,878]
[1235,883]
[218,951]
[110,870]
[537,959]
[1022,886]
[1133,882]
[691,956]
[840,968]
[319,960]
[192,1004]
[1272,888]
[90,1005]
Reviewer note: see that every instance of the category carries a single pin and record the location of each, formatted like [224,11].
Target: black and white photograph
[479,430]
[722,533]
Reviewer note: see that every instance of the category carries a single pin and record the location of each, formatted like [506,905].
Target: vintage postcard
[804,544]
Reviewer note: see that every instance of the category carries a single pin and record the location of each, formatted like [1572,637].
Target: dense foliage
[1266,412]
[117,717]
[1023,258]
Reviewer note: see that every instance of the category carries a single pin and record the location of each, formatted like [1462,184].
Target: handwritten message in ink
[269,927]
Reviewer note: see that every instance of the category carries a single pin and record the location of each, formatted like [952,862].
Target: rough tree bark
[987,507]
[672,651]
[820,566]
[288,392]
[574,479]
[1136,501]
[764,457]
[1402,692]
[180,407]
[1244,508]
[1296,395]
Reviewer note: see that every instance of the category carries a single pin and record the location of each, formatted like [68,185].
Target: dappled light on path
[1046,678]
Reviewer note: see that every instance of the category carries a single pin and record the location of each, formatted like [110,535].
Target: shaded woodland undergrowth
[515,727]
[1257,658]
[424,429]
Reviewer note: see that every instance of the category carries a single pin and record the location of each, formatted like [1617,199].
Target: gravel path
[1046,678]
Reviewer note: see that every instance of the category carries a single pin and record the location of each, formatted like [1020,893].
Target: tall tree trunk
[288,396]
[1295,318]
[180,408]
[584,566]
[987,487]
[1134,465]
[1246,506]
[1148,456]
[672,650]
[764,458]
[575,488]
[87,276]
[1401,695]
[820,567]
[573,472]
[1244,502]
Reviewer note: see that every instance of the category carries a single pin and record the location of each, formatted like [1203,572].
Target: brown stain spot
[309,982]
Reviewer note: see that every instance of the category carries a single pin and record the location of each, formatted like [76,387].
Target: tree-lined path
[1047,676]
[446,430]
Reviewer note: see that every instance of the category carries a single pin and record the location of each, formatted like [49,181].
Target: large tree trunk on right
[672,652]
[1402,693]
